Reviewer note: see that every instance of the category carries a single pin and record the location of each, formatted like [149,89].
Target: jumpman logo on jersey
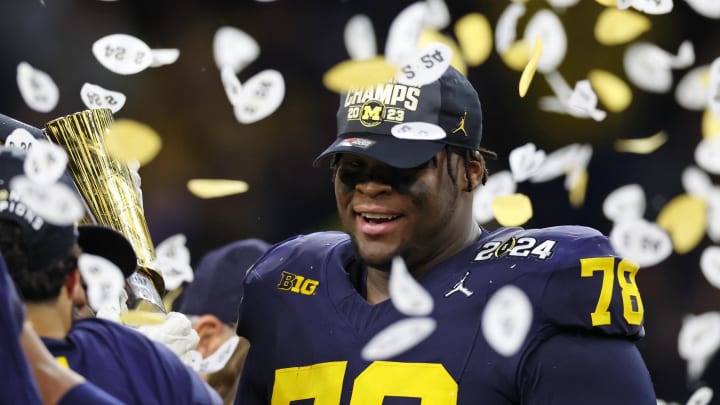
[460,286]
[461,125]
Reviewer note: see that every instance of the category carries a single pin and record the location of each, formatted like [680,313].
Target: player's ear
[476,167]
[209,328]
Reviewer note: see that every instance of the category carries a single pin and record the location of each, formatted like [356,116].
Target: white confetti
[698,340]
[260,96]
[706,8]
[696,182]
[653,7]
[234,48]
[506,320]
[437,15]
[642,241]
[37,88]
[547,26]
[406,294]
[692,91]
[525,160]
[20,138]
[417,130]
[172,258]
[562,161]
[506,29]
[625,203]
[231,84]
[713,227]
[122,54]
[103,279]
[94,96]
[45,163]
[398,338]
[56,203]
[714,91]
[710,265]
[404,33]
[707,154]
[497,185]
[359,37]
[649,67]
[425,65]
[584,99]
[162,57]
[701,396]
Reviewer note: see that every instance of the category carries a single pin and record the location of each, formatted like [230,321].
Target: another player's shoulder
[299,251]
[100,331]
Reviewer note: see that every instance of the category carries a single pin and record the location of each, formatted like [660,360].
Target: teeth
[379,216]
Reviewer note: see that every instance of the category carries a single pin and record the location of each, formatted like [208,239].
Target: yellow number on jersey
[323,383]
[626,271]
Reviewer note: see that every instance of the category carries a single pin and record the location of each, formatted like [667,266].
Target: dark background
[186,104]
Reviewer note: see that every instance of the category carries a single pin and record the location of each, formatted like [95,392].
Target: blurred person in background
[42,260]
[211,301]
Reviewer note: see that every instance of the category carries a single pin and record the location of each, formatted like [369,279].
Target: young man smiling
[404,182]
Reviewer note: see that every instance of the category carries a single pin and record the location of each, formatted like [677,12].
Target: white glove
[176,333]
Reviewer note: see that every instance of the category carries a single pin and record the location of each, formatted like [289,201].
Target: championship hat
[405,126]
[48,242]
[218,283]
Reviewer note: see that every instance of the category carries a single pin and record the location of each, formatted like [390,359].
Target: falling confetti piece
[56,203]
[351,74]
[129,140]
[475,38]
[172,257]
[611,90]
[406,294]
[404,32]
[706,8]
[424,66]
[546,26]
[693,90]
[94,96]
[696,182]
[653,7]
[498,184]
[710,265]
[529,71]
[641,241]
[641,145]
[506,320]
[698,340]
[104,280]
[512,210]
[685,219]
[701,396]
[584,101]
[214,188]
[428,36]
[437,15]
[162,57]
[398,338]
[37,88]
[259,97]
[359,37]
[714,95]
[517,55]
[710,125]
[650,68]
[625,203]
[615,27]
[20,138]
[122,54]
[578,189]
[45,163]
[525,160]
[707,154]
[139,318]
[234,48]
[505,30]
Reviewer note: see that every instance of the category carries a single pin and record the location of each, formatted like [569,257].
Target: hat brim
[395,152]
[112,245]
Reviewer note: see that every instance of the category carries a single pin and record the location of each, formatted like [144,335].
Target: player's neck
[377,286]
[51,319]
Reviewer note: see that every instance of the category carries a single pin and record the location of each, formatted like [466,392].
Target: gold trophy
[106,185]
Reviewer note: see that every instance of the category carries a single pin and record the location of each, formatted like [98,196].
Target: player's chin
[376,254]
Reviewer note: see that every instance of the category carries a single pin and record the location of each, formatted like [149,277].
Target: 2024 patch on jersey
[307,323]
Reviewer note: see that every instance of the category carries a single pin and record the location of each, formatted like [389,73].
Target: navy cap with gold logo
[371,121]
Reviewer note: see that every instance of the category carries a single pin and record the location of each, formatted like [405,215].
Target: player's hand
[177,333]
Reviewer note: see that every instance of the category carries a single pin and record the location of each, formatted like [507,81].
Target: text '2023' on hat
[376,122]
[47,242]
[218,283]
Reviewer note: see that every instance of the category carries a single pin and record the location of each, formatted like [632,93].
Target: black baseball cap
[48,242]
[366,118]
[217,286]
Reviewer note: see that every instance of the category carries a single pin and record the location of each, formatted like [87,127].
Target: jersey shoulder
[572,276]
[299,252]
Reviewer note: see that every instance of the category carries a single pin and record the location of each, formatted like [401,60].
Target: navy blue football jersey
[128,365]
[308,323]
[17,384]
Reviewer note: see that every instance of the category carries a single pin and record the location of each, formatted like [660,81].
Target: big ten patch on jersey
[572,272]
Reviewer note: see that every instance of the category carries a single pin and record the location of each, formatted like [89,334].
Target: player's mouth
[373,223]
